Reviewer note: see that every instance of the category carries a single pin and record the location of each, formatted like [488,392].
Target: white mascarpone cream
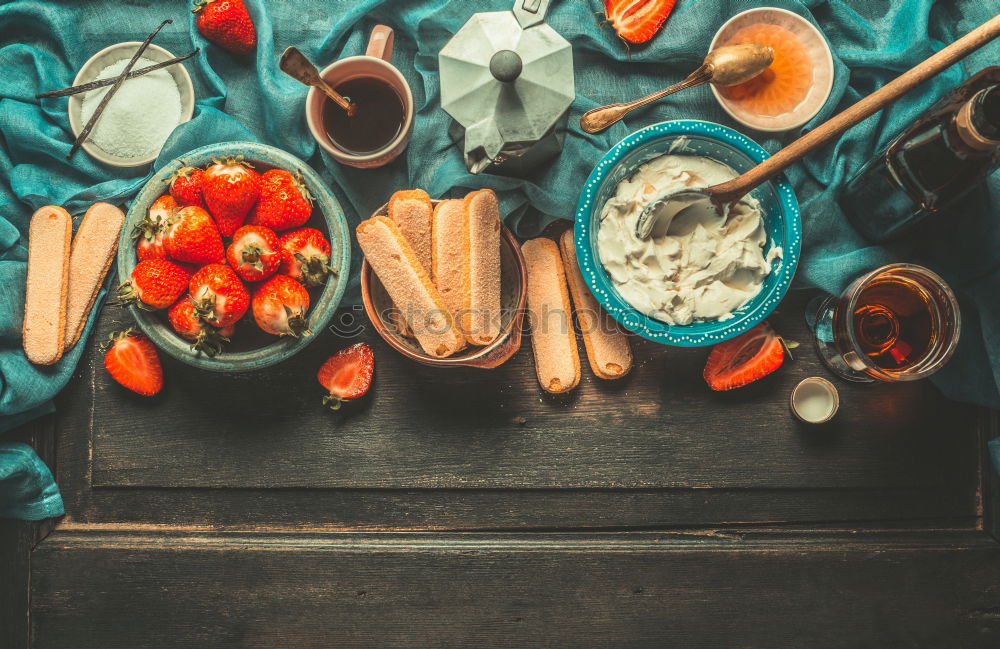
[704,267]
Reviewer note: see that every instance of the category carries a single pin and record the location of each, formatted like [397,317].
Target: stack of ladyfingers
[553,276]
[440,266]
[65,274]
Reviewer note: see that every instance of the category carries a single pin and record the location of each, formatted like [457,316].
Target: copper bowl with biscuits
[513,295]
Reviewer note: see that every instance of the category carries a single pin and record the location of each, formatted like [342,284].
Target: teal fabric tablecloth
[42,44]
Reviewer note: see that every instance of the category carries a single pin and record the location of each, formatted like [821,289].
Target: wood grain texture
[432,449]
[461,428]
[15,546]
[17,539]
[633,590]
[989,427]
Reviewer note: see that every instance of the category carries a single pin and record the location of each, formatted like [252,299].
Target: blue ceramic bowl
[778,205]
[251,348]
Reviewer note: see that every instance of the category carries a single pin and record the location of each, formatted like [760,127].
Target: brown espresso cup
[374,74]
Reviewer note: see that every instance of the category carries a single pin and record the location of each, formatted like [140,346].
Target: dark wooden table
[466,508]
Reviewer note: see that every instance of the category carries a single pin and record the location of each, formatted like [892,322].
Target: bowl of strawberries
[233,257]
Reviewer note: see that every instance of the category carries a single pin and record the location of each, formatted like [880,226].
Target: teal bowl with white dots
[779,209]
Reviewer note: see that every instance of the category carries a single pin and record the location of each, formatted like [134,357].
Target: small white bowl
[814,400]
[108,56]
[819,52]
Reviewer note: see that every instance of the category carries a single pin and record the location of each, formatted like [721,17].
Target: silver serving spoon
[723,66]
[720,197]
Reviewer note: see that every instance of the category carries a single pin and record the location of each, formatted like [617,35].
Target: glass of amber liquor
[897,323]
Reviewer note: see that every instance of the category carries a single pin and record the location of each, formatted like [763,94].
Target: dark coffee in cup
[377,120]
[382,124]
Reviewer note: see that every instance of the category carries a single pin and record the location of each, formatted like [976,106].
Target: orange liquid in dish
[784,84]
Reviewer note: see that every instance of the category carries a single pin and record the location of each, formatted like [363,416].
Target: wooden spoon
[730,192]
[724,66]
[295,64]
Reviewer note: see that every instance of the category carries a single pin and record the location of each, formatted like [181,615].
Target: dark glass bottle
[949,150]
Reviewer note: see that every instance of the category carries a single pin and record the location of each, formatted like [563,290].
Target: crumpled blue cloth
[27,490]
[42,44]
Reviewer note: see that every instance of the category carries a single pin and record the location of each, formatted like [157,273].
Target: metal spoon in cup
[295,64]
[722,196]
[723,66]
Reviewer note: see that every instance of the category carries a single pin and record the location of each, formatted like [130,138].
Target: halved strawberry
[132,361]
[637,21]
[744,359]
[347,375]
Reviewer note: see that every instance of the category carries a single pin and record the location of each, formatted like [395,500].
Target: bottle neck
[978,120]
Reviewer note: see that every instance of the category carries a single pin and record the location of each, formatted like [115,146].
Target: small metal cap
[506,66]
[814,400]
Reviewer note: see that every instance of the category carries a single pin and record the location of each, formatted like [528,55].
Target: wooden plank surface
[111,591]
[17,539]
[465,428]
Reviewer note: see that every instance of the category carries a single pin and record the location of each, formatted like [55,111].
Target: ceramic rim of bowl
[76,125]
[154,325]
[607,295]
[827,60]
[460,360]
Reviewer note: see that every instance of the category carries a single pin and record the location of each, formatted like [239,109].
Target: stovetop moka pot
[507,80]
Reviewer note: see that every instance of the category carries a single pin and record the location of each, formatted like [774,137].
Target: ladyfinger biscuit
[449,253]
[93,251]
[557,359]
[49,240]
[606,342]
[409,286]
[481,314]
[411,212]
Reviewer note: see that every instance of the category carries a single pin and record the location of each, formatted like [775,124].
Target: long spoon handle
[596,120]
[295,64]
[738,187]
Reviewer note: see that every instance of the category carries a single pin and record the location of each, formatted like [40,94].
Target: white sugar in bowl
[138,119]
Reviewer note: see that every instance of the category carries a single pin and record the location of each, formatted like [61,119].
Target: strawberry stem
[332,402]
[298,326]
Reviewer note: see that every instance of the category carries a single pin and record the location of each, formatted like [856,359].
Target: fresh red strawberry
[219,296]
[226,23]
[184,319]
[305,256]
[347,375]
[744,359]
[155,284]
[637,21]
[254,253]
[192,237]
[279,307]
[284,201]
[230,188]
[185,186]
[150,232]
[151,248]
[132,361]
